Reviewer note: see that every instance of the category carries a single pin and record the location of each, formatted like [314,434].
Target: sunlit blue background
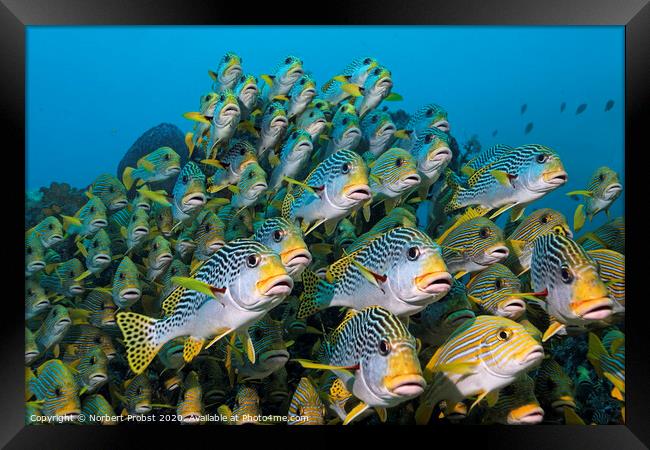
[91,91]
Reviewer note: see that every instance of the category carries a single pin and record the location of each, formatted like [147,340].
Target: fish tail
[142,339]
[310,301]
[127,177]
[596,353]
[454,183]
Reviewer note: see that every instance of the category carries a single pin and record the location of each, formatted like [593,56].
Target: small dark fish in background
[562,106]
[524,107]
[581,108]
[609,105]
[494,133]
[529,128]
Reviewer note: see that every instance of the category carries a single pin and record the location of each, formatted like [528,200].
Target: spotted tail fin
[141,338]
[314,295]
[454,183]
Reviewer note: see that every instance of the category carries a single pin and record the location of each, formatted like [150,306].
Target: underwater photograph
[325,225]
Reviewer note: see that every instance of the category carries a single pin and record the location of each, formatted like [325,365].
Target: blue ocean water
[92,91]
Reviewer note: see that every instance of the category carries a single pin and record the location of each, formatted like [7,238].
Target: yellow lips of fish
[293,252]
[435,277]
[524,412]
[273,277]
[404,374]
[554,170]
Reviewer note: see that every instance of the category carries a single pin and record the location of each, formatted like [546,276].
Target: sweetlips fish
[63,278]
[521,240]
[609,363]
[294,157]
[392,175]
[273,128]
[313,121]
[189,192]
[376,88]
[377,132]
[36,302]
[275,388]
[208,235]
[200,135]
[481,357]
[398,217]
[34,254]
[425,117]
[244,280]
[190,406]
[611,267]
[345,133]
[285,239]
[214,382]
[575,294]
[224,122]
[159,165]
[102,308]
[300,95]
[52,330]
[342,85]
[517,404]
[83,338]
[232,160]
[142,200]
[432,153]
[228,72]
[159,257]
[610,235]
[126,287]
[97,251]
[49,231]
[401,270]
[137,395]
[129,228]
[110,191]
[306,407]
[346,234]
[247,92]
[553,387]
[472,245]
[513,180]
[55,387]
[97,411]
[88,220]
[91,370]
[270,352]
[331,191]
[283,78]
[247,406]
[375,357]
[603,190]
[437,321]
[497,291]
[250,187]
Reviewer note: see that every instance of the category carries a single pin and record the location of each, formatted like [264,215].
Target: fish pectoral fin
[355,412]
[219,335]
[249,349]
[617,394]
[502,210]
[554,328]
[460,368]
[579,217]
[381,412]
[394,97]
[572,418]
[478,400]
[460,274]
[192,347]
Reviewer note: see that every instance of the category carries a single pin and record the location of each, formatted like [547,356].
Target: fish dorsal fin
[470,213]
[336,270]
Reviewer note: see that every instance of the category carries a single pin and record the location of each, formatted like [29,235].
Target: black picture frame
[15,15]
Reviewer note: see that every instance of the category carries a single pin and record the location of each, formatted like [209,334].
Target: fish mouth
[441,154]
[412,180]
[278,285]
[565,401]
[613,190]
[250,89]
[406,385]
[56,238]
[165,258]
[441,125]
[279,121]
[101,259]
[31,354]
[42,304]
[513,307]
[36,266]
[215,246]
[434,282]
[296,72]
[230,110]
[142,409]
[194,200]
[385,82]
[456,318]
[555,178]
[304,146]
[214,395]
[77,289]
[352,132]
[495,254]
[534,356]
[130,294]
[595,309]
[358,193]
[63,322]
[279,357]
[173,170]
[109,322]
[526,415]
[98,378]
[388,128]
[297,257]
[140,231]
[191,418]
[309,92]
[99,223]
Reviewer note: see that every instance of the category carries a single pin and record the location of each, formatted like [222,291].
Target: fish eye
[133,218]
[545,219]
[271,109]
[541,158]
[29,250]
[376,71]
[226,58]
[98,340]
[374,119]
[566,275]
[253,260]
[93,360]
[277,235]
[138,391]
[559,230]
[57,392]
[72,273]
[50,226]
[601,177]
[399,162]
[294,135]
[384,347]
[259,334]
[185,179]
[167,157]
[367,61]
[250,175]
[498,283]
[311,114]
[429,112]
[413,253]
[92,209]
[287,61]
[30,292]
[503,334]
[242,151]
[302,81]
[428,138]
[122,276]
[484,232]
[155,246]
[345,168]
[345,121]
[95,244]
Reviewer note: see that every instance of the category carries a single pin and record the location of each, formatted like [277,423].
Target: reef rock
[163,135]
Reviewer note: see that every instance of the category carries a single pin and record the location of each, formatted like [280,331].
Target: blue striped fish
[603,189]
[294,157]
[136,398]
[497,291]
[345,133]
[610,235]
[63,278]
[432,153]
[517,405]
[110,191]
[97,411]
[247,92]
[392,175]
[233,159]
[282,79]
[189,192]
[87,220]
[609,364]
[285,239]
[82,338]
[376,88]
[54,385]
[300,95]
[273,128]
[223,124]
[250,187]
[313,120]
[49,231]
[36,302]
[377,132]
[34,254]
[481,357]
[190,407]
[159,165]
[355,73]
[126,287]
[228,72]
[425,117]
[611,267]
[96,251]
[306,407]
[553,387]
[91,370]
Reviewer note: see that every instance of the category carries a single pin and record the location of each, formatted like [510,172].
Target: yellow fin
[127,177]
[460,274]
[459,368]
[351,89]
[581,192]
[579,217]
[394,97]
[159,197]
[192,347]
[478,399]
[140,339]
[213,75]
[197,117]
[402,134]
[571,418]
[196,285]
[467,171]
[86,274]
[314,365]
[552,330]
[321,249]
[501,176]
[82,249]
[281,97]
[366,211]
[249,349]
[273,159]
[381,412]
[213,162]
[361,407]
[267,79]
[616,393]
[189,142]
[501,210]
[70,220]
